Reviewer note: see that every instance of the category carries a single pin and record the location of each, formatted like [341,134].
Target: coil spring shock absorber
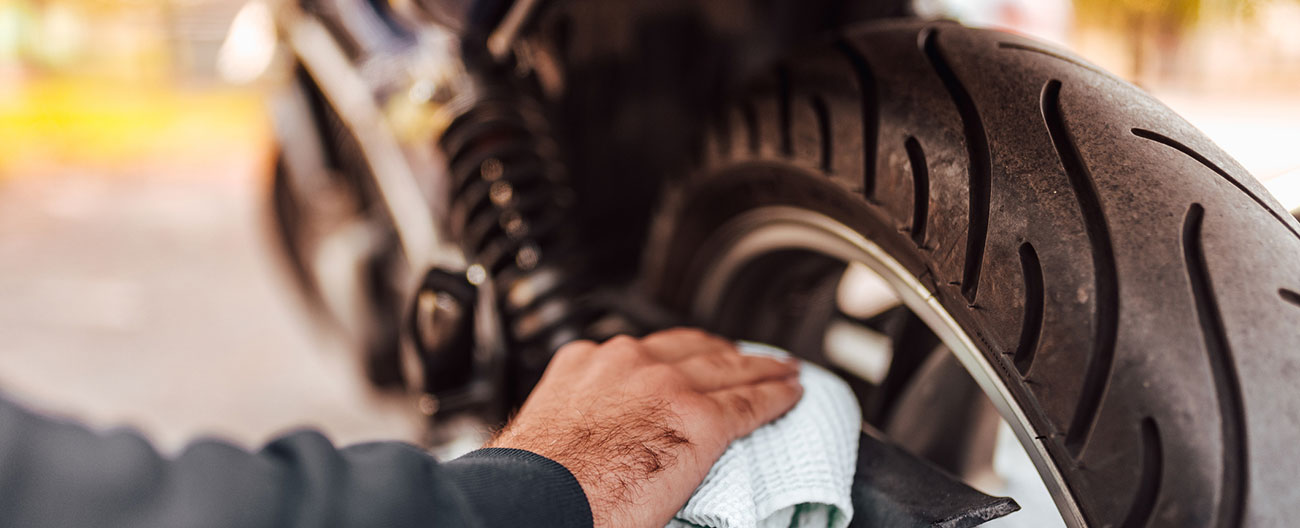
[512,211]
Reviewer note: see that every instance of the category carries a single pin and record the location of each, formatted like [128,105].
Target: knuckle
[741,406]
[723,343]
[573,350]
[683,334]
[621,340]
[715,341]
[676,330]
[622,345]
[686,406]
[687,332]
[723,362]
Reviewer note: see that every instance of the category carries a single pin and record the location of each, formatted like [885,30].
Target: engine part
[511,211]
[442,330]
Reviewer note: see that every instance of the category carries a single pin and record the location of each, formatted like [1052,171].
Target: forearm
[61,474]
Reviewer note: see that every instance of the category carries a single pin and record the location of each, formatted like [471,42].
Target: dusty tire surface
[1133,285]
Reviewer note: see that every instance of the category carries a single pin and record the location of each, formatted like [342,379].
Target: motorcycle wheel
[339,246]
[1121,289]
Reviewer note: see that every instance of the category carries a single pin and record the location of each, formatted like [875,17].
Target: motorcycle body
[979,231]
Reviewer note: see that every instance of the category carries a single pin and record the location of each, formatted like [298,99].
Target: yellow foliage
[105,123]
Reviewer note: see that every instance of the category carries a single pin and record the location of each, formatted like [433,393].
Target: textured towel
[795,471]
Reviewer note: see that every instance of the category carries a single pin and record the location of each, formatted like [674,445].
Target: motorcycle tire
[1131,285]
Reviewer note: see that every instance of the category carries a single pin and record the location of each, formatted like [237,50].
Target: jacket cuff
[513,487]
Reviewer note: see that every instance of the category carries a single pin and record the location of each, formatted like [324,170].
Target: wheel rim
[769,229]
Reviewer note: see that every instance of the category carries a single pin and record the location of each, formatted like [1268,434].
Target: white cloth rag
[796,471]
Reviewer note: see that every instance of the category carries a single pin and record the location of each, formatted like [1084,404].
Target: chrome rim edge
[765,229]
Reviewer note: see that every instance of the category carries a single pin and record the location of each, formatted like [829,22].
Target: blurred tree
[1156,27]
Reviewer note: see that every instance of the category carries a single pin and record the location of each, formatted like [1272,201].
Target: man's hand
[640,422]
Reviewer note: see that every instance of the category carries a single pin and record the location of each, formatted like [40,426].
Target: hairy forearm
[609,454]
[639,422]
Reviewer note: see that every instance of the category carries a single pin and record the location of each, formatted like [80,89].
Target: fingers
[679,343]
[712,372]
[572,355]
[576,348]
[746,407]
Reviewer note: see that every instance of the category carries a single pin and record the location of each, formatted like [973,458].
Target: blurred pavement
[147,293]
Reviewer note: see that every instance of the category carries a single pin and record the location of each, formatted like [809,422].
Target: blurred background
[138,277]
[139,281]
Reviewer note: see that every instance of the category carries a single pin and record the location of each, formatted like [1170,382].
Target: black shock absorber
[513,213]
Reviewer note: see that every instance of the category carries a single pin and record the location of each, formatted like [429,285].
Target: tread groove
[1290,296]
[920,189]
[750,114]
[722,126]
[981,164]
[1174,144]
[1105,281]
[783,110]
[870,114]
[1109,415]
[1032,327]
[823,130]
[1226,385]
[1052,54]
[1148,490]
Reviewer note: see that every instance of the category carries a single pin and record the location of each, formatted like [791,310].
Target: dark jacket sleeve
[59,474]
